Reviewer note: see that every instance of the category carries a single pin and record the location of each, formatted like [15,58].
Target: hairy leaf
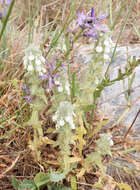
[27,184]
[15,183]
[56,177]
[103,146]
[73,183]
[41,179]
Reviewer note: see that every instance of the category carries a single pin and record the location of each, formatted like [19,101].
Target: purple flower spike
[28,94]
[4,5]
[93,12]
[50,76]
[2,2]
[90,23]
[91,33]
[0,15]
[81,21]
[8,2]
[27,90]
[102,16]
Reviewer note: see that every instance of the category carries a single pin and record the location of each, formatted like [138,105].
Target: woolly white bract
[33,60]
[64,115]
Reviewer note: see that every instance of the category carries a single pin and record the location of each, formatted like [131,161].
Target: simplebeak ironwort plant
[73,94]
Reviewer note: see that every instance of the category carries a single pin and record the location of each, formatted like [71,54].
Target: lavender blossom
[50,76]
[7,3]
[28,94]
[90,23]
[4,4]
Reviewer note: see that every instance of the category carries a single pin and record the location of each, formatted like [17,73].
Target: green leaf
[131,80]
[80,131]
[73,183]
[99,184]
[99,126]
[103,146]
[56,177]
[96,160]
[27,184]
[15,183]
[41,179]
[58,187]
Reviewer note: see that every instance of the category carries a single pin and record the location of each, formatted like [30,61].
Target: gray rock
[112,102]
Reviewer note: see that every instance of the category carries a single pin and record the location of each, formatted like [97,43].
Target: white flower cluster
[33,60]
[105,47]
[63,87]
[64,115]
[108,137]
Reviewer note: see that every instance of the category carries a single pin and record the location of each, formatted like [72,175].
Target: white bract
[99,49]
[106,57]
[57,82]
[33,60]
[64,115]
[63,86]
[107,50]
[108,137]
[67,87]
[60,89]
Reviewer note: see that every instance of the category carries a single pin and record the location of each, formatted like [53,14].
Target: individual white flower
[38,68]
[108,137]
[61,122]
[107,50]
[30,68]
[42,59]
[31,57]
[99,49]
[57,82]
[33,60]
[25,62]
[43,70]
[106,43]
[72,125]
[106,57]
[64,115]
[68,118]
[60,89]
[54,117]
[38,62]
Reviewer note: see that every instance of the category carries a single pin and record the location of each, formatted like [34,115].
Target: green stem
[6,19]
[130,150]
[121,31]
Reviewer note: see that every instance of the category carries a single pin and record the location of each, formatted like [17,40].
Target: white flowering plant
[73,94]
[65,69]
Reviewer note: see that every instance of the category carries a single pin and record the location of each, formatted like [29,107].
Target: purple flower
[3,3]
[0,15]
[50,76]
[82,21]
[7,3]
[90,23]
[28,94]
